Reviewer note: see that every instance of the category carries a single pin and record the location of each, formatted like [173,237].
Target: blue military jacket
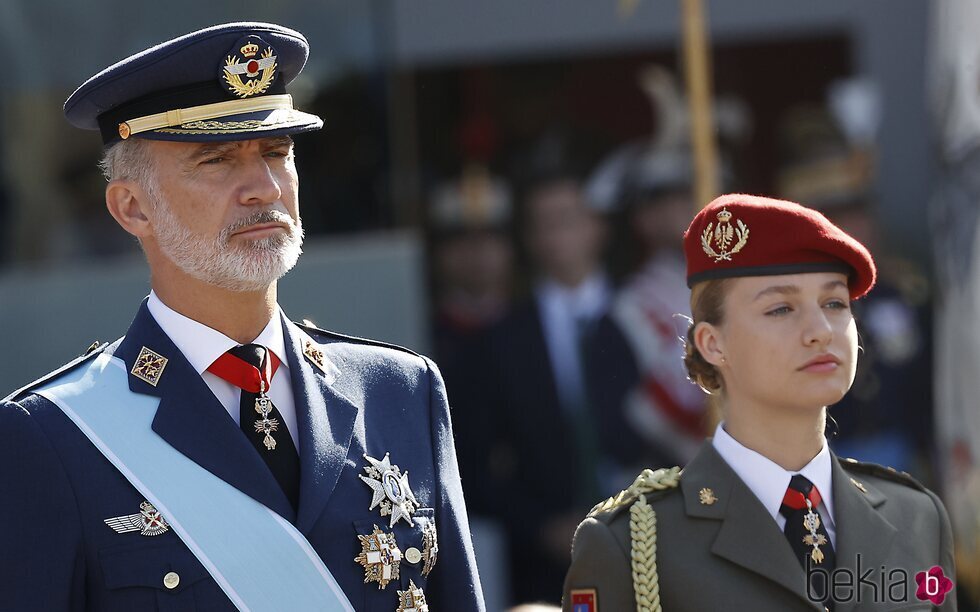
[353,397]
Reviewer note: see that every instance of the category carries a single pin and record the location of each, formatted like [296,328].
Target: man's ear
[127,203]
[710,343]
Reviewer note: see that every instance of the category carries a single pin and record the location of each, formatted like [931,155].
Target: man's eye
[213,160]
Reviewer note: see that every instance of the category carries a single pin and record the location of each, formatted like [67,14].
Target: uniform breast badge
[585,600]
[148,366]
[148,522]
[380,557]
[723,236]
[430,547]
[412,600]
[811,522]
[390,490]
[265,425]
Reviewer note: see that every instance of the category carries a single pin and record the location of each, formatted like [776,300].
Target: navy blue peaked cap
[226,82]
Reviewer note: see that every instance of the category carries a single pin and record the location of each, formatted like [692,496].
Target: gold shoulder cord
[643,532]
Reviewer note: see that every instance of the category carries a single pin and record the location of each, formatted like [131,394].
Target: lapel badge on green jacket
[390,490]
[380,557]
[148,522]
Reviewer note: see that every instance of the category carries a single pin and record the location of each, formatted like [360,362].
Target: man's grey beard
[250,265]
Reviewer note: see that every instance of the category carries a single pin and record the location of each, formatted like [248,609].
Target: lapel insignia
[430,547]
[390,490]
[149,366]
[148,522]
[412,600]
[380,557]
[860,486]
[315,355]
[707,497]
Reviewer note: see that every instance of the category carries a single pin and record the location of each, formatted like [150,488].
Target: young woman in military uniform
[765,517]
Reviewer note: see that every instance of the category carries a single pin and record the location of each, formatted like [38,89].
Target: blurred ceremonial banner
[413,92]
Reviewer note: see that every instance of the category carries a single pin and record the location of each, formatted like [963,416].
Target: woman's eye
[838,305]
[779,310]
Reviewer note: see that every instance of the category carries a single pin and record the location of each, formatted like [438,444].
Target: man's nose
[261,186]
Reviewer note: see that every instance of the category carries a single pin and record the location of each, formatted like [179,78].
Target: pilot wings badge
[148,522]
[722,236]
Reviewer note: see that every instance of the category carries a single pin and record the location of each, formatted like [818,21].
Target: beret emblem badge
[249,70]
[716,240]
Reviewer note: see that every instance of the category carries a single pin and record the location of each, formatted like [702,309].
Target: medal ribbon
[243,374]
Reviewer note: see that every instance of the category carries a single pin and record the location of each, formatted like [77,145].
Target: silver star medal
[390,490]
[148,522]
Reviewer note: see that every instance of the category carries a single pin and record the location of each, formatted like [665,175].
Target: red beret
[744,235]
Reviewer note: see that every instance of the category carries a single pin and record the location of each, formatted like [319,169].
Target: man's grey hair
[130,160]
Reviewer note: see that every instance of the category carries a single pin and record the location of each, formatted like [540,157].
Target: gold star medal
[390,490]
[380,557]
[412,600]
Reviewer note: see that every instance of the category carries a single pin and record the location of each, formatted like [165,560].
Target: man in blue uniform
[219,455]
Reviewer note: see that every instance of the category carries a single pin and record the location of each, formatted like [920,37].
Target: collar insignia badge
[412,600]
[722,237]
[430,547]
[148,522]
[250,67]
[380,557]
[707,496]
[148,366]
[390,490]
[860,486]
[315,355]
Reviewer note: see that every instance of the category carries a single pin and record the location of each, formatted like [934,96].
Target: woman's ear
[127,203]
[710,343]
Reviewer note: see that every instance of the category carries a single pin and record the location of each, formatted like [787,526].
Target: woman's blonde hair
[707,299]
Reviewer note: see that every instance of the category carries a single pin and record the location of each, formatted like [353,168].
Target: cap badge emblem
[390,490]
[148,522]
[722,236]
[248,69]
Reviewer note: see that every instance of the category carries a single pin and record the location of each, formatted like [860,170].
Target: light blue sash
[258,558]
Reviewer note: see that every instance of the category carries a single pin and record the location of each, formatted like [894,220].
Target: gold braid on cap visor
[182,116]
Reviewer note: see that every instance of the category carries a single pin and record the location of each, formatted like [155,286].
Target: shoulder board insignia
[647,482]
[881,471]
[307,325]
[71,365]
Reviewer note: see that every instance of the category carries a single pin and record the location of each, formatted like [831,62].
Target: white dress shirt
[561,309]
[202,345]
[769,481]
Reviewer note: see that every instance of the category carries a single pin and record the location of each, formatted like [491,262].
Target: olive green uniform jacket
[729,554]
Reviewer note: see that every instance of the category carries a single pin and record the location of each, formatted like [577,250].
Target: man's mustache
[268,216]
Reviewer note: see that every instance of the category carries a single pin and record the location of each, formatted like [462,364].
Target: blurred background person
[471,263]
[649,412]
[828,159]
[537,379]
